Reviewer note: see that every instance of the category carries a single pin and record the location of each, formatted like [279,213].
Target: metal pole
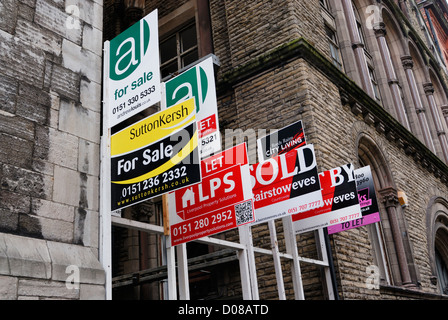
[105,246]
[330,264]
[277,262]
[291,248]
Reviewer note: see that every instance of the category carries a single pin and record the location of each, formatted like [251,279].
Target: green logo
[191,83]
[128,49]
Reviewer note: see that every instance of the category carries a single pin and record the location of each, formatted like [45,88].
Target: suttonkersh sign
[155,155]
[133,82]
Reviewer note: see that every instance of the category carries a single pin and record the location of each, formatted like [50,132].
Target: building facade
[435,14]
[50,93]
[365,77]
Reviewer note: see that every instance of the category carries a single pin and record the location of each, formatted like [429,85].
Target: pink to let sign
[367,201]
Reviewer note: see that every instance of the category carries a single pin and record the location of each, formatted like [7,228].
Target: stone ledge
[397,292]
[43,259]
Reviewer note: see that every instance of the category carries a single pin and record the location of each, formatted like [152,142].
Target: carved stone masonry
[143,211]
[389,197]
[429,88]
[380,29]
[407,62]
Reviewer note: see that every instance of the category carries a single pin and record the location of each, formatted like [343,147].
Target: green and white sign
[133,70]
[198,82]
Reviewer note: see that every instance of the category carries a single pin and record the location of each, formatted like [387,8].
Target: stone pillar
[445,112]
[380,33]
[390,200]
[408,64]
[441,134]
[133,11]
[358,47]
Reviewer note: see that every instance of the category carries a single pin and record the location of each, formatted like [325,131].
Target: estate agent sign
[286,184]
[284,140]
[340,201]
[222,201]
[198,82]
[367,202]
[155,155]
[133,82]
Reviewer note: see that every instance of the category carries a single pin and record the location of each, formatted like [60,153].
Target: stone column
[390,200]
[441,134]
[133,11]
[445,112]
[380,33]
[408,64]
[358,47]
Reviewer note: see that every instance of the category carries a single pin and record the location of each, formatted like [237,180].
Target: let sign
[222,201]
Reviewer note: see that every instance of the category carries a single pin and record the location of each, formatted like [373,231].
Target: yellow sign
[153,128]
[156,155]
[170,163]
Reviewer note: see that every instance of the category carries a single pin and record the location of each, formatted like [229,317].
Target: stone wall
[50,94]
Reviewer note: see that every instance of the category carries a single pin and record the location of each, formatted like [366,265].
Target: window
[442,273]
[380,237]
[376,90]
[324,3]
[179,49]
[377,239]
[334,47]
[441,248]
[359,26]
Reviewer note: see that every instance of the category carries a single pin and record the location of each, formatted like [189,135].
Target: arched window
[437,234]
[437,101]
[390,46]
[367,53]
[392,252]
[442,272]
[368,155]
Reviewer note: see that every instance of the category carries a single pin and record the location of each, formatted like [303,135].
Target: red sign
[286,184]
[210,193]
[222,201]
[207,126]
[340,201]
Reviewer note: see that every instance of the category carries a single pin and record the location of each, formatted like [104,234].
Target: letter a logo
[191,83]
[127,50]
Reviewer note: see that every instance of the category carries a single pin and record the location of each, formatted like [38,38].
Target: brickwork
[275,69]
[50,94]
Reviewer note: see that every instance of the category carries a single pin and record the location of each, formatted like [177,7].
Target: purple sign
[367,202]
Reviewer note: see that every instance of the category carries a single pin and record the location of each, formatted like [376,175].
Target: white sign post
[131,84]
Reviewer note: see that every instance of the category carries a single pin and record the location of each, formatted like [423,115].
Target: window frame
[180,54]
[334,46]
